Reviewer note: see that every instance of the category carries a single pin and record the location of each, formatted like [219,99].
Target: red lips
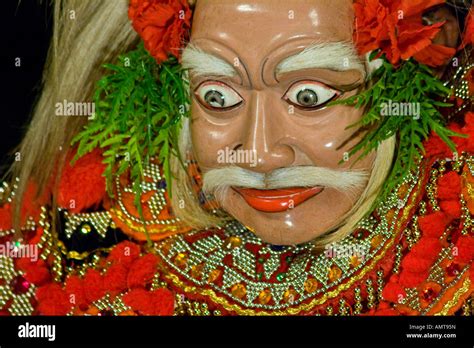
[275,201]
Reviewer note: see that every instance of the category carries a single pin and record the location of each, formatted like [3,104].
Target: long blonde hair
[86,34]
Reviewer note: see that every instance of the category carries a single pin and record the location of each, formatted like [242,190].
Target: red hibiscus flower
[163,25]
[468,35]
[395,27]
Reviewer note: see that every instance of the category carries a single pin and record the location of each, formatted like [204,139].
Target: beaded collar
[235,268]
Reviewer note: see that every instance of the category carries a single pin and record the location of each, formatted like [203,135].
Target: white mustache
[217,181]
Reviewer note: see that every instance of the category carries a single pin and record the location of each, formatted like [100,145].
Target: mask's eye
[309,94]
[216,95]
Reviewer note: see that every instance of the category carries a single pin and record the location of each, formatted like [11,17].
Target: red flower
[395,27]
[468,35]
[163,25]
[52,300]
[82,185]
[434,55]
[142,271]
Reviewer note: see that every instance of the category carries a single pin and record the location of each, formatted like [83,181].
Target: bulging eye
[309,94]
[216,95]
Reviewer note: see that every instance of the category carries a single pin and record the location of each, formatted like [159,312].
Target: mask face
[261,127]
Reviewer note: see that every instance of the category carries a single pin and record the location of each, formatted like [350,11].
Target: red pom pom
[52,300]
[138,299]
[142,271]
[427,248]
[75,289]
[35,272]
[465,249]
[433,225]
[82,185]
[162,302]
[458,141]
[6,220]
[158,302]
[386,312]
[449,186]
[393,292]
[411,279]
[469,120]
[93,286]
[451,208]
[31,203]
[415,263]
[116,277]
[125,253]
[436,147]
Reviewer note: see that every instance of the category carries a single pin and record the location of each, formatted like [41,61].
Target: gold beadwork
[370,294]
[358,301]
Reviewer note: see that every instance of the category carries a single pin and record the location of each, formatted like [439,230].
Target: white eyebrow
[204,64]
[338,56]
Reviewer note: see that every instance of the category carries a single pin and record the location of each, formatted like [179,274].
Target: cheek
[329,141]
[208,137]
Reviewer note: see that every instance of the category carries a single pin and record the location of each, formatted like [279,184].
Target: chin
[275,228]
[283,237]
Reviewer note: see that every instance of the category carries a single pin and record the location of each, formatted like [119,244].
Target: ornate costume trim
[455,302]
[175,268]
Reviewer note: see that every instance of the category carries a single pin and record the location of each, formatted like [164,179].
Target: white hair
[217,181]
[338,56]
[205,64]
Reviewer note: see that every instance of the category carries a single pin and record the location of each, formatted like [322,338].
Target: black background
[26,30]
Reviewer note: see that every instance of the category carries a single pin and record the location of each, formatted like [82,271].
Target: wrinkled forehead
[266,25]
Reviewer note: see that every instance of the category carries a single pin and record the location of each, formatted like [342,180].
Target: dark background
[26,28]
